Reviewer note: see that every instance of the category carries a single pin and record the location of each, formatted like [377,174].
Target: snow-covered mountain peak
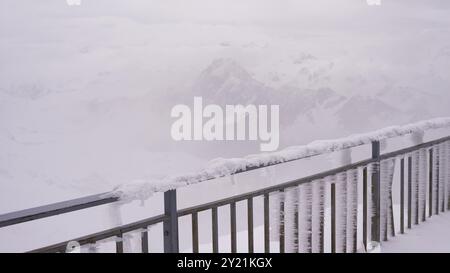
[225,68]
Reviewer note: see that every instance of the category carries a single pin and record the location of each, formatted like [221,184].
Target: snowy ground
[432,236]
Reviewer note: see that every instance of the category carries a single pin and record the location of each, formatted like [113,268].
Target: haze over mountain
[86,92]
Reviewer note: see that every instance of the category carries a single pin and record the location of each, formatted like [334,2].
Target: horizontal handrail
[26,215]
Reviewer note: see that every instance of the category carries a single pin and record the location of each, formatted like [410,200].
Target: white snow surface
[430,237]
[220,167]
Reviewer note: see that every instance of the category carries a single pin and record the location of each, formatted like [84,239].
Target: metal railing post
[170,225]
[376,193]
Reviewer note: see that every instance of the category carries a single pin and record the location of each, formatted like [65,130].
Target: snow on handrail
[221,167]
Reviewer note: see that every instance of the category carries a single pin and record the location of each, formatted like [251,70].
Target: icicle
[291,219]
[233,180]
[263,172]
[341,212]
[372,168]
[387,179]
[115,217]
[447,200]
[369,204]
[275,198]
[384,173]
[442,175]
[134,241]
[318,217]
[93,248]
[305,218]
[417,210]
[417,137]
[352,208]
[271,172]
[436,175]
[423,182]
[328,181]
[415,188]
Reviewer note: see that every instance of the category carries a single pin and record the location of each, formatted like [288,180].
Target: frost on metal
[387,168]
[352,209]
[220,167]
[423,178]
[341,212]
[275,202]
[447,196]
[436,175]
[442,175]
[372,169]
[305,218]
[291,219]
[318,214]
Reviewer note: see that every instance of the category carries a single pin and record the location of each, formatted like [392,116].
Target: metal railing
[334,190]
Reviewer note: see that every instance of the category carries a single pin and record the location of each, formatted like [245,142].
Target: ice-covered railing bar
[225,167]
[26,215]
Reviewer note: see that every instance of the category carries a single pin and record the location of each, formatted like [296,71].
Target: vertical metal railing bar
[250,225]
[233,227]
[322,218]
[343,197]
[170,224]
[383,206]
[443,180]
[365,203]
[309,211]
[376,193]
[423,157]
[447,178]
[144,241]
[392,218]
[119,243]
[402,196]
[430,182]
[195,244]
[437,179]
[448,174]
[355,213]
[333,218]
[416,186]
[215,230]
[282,232]
[296,225]
[409,192]
[266,224]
